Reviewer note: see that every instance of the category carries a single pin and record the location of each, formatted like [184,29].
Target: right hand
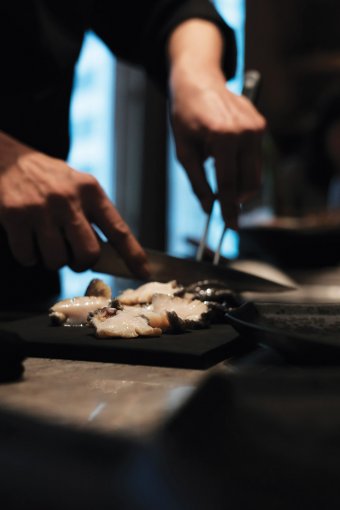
[210,121]
[47,209]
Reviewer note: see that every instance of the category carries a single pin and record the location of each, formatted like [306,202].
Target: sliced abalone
[74,311]
[125,323]
[164,313]
[182,312]
[144,293]
[214,290]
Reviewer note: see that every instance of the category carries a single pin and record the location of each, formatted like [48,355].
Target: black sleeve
[137,31]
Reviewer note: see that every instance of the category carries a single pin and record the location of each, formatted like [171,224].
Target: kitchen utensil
[165,267]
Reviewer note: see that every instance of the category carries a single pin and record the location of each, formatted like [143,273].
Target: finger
[82,241]
[22,246]
[106,217]
[52,246]
[193,163]
[249,116]
[224,152]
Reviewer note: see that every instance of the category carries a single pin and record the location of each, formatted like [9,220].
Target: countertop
[249,432]
[133,398]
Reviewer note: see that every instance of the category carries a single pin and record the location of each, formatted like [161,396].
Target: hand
[47,209]
[210,121]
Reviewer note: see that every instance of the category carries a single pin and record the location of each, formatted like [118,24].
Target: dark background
[296,46]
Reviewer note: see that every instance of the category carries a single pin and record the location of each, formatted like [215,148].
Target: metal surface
[251,85]
[203,241]
[308,333]
[263,269]
[164,268]
[217,255]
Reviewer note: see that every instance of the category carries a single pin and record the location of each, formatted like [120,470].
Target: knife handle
[251,85]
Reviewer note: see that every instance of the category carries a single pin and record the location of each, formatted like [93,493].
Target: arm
[208,120]
[47,209]
[138,31]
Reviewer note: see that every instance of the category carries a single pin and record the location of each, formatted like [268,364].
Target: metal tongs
[203,241]
[250,90]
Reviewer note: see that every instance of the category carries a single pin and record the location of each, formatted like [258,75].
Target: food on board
[150,310]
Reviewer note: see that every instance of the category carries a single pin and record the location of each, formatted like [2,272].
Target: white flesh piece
[76,310]
[186,309]
[157,319]
[144,293]
[150,320]
[126,323]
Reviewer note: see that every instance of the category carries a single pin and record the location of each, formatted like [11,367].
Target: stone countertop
[132,398]
[105,396]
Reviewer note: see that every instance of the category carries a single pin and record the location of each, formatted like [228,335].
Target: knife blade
[164,268]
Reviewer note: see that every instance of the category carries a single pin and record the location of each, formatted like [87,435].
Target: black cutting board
[192,349]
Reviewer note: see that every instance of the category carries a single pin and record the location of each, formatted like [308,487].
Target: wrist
[184,72]
[8,143]
[11,150]
[195,54]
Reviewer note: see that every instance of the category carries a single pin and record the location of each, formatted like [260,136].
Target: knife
[164,268]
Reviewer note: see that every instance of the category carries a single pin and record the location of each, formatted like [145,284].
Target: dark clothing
[39,49]
[40,42]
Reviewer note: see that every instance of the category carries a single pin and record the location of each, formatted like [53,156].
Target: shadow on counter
[242,441]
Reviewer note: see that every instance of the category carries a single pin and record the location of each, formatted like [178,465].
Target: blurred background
[296,46]
[121,134]
[295,220]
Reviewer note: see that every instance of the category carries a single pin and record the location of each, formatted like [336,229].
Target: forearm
[6,143]
[195,50]
[143,39]
[10,150]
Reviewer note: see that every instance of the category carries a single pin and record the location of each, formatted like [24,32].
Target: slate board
[193,349]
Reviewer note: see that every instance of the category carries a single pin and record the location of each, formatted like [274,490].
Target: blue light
[91,128]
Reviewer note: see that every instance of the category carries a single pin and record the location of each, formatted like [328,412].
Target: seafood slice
[183,312]
[156,319]
[147,311]
[97,287]
[74,311]
[125,323]
[144,293]
[214,290]
[164,313]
